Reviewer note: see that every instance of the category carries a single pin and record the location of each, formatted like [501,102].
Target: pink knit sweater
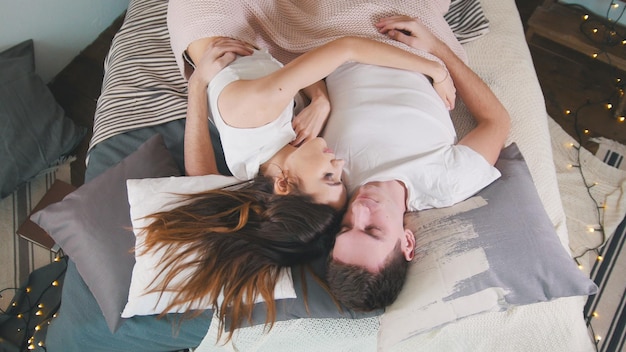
[288,28]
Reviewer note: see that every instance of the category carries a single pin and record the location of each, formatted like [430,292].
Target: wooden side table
[561,24]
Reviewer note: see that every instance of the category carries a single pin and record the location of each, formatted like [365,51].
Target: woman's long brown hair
[241,239]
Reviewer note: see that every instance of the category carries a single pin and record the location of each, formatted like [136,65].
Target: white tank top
[245,149]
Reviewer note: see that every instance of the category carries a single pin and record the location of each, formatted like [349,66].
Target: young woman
[285,216]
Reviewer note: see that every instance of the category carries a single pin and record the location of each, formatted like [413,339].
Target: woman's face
[318,173]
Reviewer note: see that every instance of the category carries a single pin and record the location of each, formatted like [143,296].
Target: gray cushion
[34,130]
[92,225]
[19,57]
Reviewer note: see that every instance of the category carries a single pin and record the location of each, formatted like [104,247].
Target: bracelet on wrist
[444,77]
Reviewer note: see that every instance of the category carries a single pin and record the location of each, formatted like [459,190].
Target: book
[31,231]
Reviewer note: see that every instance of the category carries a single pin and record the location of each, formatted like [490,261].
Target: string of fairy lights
[31,314]
[606,34]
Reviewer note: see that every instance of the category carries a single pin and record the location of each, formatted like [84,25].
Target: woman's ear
[282,186]
[408,245]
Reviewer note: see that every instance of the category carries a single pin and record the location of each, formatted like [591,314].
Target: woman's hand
[309,123]
[220,52]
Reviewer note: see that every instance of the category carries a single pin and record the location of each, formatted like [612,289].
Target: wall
[60,29]
[602,8]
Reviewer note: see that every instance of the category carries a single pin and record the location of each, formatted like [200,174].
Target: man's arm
[199,154]
[216,53]
[493,120]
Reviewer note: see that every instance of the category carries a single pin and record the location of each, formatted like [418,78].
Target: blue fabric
[80,326]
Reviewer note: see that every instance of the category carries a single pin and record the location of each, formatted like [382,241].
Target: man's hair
[361,290]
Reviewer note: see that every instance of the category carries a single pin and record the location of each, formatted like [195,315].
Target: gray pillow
[34,130]
[93,227]
[19,57]
[493,251]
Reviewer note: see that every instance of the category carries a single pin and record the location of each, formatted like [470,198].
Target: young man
[402,155]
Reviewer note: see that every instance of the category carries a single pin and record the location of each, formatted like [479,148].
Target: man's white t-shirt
[391,124]
[245,149]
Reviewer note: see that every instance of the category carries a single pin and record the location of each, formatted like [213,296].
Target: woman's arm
[266,97]
[493,120]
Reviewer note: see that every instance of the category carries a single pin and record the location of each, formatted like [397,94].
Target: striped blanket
[143,86]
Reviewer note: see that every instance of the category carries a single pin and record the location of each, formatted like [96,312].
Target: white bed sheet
[503,60]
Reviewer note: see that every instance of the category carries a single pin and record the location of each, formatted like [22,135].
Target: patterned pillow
[493,251]
[467,20]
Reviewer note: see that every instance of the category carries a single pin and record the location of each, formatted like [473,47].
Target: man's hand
[411,32]
[219,53]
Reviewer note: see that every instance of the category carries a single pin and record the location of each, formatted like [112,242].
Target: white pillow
[147,196]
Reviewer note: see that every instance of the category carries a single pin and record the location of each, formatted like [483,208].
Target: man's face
[372,226]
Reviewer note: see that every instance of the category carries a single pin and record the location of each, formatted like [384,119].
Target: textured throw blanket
[288,28]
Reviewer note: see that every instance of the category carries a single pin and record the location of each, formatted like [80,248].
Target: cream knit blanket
[288,28]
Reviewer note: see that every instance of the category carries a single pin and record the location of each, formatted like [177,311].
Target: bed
[513,286]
